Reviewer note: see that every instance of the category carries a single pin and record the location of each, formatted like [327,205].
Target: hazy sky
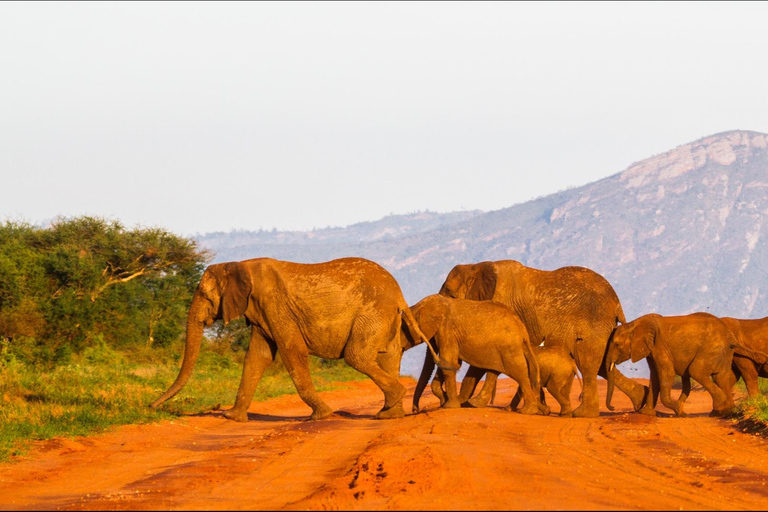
[204,117]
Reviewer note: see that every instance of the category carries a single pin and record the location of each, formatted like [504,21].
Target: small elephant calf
[485,335]
[556,370]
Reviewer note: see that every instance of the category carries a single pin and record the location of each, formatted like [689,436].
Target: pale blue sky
[202,117]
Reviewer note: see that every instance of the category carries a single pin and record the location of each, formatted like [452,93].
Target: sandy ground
[467,459]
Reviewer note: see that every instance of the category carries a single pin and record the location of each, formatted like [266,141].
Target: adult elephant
[574,307]
[347,308]
[752,334]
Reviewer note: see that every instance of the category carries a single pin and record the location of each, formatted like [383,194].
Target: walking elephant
[572,306]
[347,308]
[752,334]
[698,346]
[556,370]
[483,334]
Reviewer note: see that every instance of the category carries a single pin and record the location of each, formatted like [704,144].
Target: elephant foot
[530,409]
[544,410]
[639,402]
[236,415]
[451,404]
[566,414]
[586,412]
[415,409]
[437,390]
[648,411]
[320,412]
[720,412]
[396,411]
[474,403]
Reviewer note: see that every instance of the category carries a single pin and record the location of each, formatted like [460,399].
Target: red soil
[469,459]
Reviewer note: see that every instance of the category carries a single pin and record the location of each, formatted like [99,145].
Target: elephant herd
[536,326]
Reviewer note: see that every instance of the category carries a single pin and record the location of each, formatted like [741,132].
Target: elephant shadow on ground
[353,416]
[252,416]
[260,417]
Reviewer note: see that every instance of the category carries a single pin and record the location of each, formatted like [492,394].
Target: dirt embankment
[470,459]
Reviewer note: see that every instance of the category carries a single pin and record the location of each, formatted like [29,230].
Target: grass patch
[751,413]
[101,389]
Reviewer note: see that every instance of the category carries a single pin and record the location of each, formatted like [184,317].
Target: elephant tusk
[612,366]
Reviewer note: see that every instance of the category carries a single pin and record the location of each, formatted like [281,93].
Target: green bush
[63,285]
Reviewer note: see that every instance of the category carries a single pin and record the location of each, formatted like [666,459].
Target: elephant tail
[578,377]
[620,318]
[416,334]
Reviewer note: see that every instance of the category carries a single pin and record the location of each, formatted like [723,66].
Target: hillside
[675,233]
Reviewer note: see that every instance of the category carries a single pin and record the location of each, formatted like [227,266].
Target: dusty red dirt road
[467,459]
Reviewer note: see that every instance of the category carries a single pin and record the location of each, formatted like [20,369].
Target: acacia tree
[89,276]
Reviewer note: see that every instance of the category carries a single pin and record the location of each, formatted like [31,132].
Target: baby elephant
[557,370]
[698,346]
[485,335]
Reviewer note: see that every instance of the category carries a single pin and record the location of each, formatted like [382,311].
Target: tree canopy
[86,278]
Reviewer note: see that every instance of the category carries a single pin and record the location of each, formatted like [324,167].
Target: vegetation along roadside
[92,318]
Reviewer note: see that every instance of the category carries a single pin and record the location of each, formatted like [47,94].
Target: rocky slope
[675,233]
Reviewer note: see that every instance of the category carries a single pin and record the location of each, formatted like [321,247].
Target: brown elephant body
[347,308]
[752,334]
[574,307]
[557,370]
[483,334]
[698,346]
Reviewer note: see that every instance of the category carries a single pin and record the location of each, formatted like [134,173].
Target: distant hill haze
[675,233]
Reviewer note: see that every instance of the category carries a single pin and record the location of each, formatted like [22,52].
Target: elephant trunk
[191,351]
[610,372]
[426,373]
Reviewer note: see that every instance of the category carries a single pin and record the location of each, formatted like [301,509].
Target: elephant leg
[723,381]
[388,382]
[437,386]
[590,366]
[452,400]
[470,382]
[516,366]
[449,351]
[261,352]
[489,387]
[296,360]
[666,374]
[748,372]
[686,385]
[649,407]
[518,398]
[561,392]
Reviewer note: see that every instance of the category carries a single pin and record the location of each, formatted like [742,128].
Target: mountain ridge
[677,232]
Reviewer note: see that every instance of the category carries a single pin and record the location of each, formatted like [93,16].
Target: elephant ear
[484,284]
[643,339]
[236,293]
